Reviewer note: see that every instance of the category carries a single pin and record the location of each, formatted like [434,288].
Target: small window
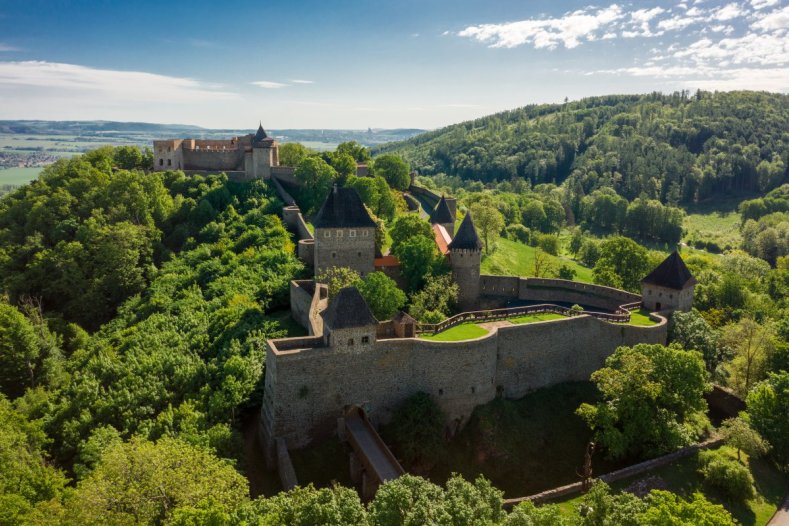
[671,296]
[161,162]
[360,254]
[660,294]
[440,392]
[334,254]
[365,233]
[339,233]
[350,341]
[365,339]
[168,149]
[352,233]
[473,389]
[327,233]
[169,162]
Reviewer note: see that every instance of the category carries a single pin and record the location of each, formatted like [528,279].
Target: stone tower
[669,287]
[465,254]
[265,154]
[348,323]
[344,233]
[443,216]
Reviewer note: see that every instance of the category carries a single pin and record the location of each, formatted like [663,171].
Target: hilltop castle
[350,359]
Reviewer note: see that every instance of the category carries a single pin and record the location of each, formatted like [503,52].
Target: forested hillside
[678,148]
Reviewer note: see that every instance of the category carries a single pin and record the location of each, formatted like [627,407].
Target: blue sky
[359,64]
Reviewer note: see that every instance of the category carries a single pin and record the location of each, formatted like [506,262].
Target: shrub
[548,243]
[416,429]
[732,478]
[565,272]
[518,233]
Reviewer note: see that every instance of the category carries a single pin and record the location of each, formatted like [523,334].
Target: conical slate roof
[348,310]
[466,238]
[261,134]
[343,208]
[672,273]
[441,213]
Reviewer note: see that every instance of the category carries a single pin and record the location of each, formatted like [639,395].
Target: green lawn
[18,176]
[682,477]
[530,318]
[464,331]
[721,228]
[641,317]
[511,258]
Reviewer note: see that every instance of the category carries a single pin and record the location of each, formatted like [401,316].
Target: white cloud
[608,36]
[775,20]
[106,83]
[300,81]
[760,49]
[677,22]
[645,15]
[6,48]
[569,30]
[708,78]
[268,84]
[728,12]
[761,4]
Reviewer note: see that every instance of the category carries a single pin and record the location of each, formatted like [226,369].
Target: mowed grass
[18,176]
[464,331]
[641,317]
[531,318]
[511,258]
[682,477]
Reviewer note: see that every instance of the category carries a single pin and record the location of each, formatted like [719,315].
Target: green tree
[394,169]
[418,255]
[417,430]
[437,299]
[382,295]
[406,227]
[355,150]
[489,221]
[692,332]
[309,506]
[473,504]
[527,514]
[140,482]
[316,178]
[337,278]
[344,164]
[668,508]
[19,352]
[409,501]
[653,400]
[739,434]
[768,405]
[129,158]
[751,344]
[624,258]
[292,153]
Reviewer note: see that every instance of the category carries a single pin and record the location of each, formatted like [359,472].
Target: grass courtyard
[464,331]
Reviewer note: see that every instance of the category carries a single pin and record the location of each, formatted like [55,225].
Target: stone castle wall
[307,389]
[345,247]
[433,198]
[213,160]
[495,290]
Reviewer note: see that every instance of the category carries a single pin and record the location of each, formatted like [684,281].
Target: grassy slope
[517,259]
[18,176]
[681,477]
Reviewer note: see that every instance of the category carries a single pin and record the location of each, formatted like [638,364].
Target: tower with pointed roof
[344,233]
[348,323]
[669,287]
[442,215]
[265,154]
[465,255]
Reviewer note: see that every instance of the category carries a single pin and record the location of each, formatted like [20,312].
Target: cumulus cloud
[761,4]
[569,30]
[728,12]
[106,83]
[775,20]
[300,81]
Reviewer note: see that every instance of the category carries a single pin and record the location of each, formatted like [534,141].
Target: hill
[677,148]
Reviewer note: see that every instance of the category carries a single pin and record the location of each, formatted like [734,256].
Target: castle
[350,359]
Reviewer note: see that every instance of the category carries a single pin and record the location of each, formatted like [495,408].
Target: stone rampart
[284,174]
[308,388]
[433,198]
[307,300]
[221,160]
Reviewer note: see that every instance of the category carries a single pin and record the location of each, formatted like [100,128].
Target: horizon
[357,65]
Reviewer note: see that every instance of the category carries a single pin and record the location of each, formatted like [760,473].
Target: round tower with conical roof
[465,255]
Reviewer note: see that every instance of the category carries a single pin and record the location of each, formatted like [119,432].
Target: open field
[720,228]
[682,477]
[512,258]
[18,176]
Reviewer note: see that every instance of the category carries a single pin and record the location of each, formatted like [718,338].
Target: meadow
[511,258]
[18,176]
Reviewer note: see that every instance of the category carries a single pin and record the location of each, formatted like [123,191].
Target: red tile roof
[386,261]
[442,238]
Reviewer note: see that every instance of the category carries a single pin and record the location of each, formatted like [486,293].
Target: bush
[565,272]
[726,474]
[416,429]
[548,243]
[517,233]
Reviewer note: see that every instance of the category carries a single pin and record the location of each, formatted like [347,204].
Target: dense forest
[678,148]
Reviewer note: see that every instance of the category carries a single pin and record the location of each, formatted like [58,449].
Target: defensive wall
[309,383]
[307,300]
[433,197]
[495,290]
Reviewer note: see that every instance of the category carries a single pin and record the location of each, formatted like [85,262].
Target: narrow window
[161,162]
[169,162]
[327,233]
[365,339]
[472,390]
[350,341]
[352,233]
[360,254]
[334,254]
[339,233]
[440,392]
[365,233]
